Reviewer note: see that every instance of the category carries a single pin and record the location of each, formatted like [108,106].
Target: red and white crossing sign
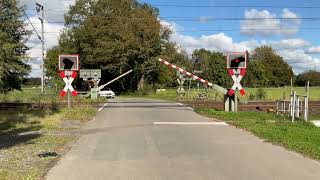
[68,82]
[236,80]
[237,64]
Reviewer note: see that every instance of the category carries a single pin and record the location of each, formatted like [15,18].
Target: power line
[32,25]
[220,6]
[52,10]
[199,19]
[235,6]
[236,29]
[217,6]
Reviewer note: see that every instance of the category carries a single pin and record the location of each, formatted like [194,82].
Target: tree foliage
[213,66]
[276,71]
[265,68]
[115,36]
[13,36]
[312,76]
[256,74]
[119,35]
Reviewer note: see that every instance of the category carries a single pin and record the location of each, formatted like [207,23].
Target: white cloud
[214,42]
[50,36]
[313,50]
[288,44]
[265,23]
[54,18]
[35,66]
[299,60]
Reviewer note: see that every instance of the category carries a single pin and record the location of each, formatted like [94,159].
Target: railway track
[314,106]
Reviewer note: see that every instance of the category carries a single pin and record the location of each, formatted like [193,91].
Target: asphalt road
[134,140]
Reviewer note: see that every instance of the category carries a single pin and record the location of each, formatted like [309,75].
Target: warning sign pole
[69,100]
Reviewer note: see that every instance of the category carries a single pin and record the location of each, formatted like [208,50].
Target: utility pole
[39,8]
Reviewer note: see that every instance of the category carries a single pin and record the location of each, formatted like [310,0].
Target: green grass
[271,93]
[26,133]
[34,95]
[300,136]
[21,161]
[280,93]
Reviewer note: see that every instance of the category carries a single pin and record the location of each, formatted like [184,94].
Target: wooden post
[291,85]
[298,107]
[293,106]
[277,105]
[226,103]
[69,100]
[306,108]
[290,106]
[236,101]
[68,74]
[307,101]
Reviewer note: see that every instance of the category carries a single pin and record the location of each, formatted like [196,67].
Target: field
[34,95]
[299,136]
[271,94]
[27,132]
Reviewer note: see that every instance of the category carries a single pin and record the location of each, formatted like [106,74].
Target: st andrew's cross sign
[68,65]
[237,65]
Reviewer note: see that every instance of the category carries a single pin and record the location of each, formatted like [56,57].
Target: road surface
[137,139]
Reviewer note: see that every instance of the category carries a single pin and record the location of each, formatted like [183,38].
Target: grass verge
[300,136]
[272,94]
[29,95]
[26,133]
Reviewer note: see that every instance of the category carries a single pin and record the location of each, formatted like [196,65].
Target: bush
[252,96]
[146,90]
[261,94]
[54,105]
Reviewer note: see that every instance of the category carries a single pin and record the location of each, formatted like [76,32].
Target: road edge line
[100,109]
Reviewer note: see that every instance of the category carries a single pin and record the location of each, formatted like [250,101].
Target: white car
[107,92]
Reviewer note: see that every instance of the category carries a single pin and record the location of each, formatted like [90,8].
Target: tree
[167,77]
[312,76]
[256,74]
[277,71]
[214,66]
[32,81]
[13,36]
[115,36]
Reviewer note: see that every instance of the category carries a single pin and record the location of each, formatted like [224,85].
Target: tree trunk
[121,80]
[141,82]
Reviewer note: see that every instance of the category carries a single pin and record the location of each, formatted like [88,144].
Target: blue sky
[297,42]
[224,12]
[293,39]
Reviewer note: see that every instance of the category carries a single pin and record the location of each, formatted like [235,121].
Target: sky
[289,26]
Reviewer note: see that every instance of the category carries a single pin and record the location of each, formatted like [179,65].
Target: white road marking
[190,108]
[191,123]
[103,107]
[185,106]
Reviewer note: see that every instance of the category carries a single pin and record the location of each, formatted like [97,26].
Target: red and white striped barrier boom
[219,88]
